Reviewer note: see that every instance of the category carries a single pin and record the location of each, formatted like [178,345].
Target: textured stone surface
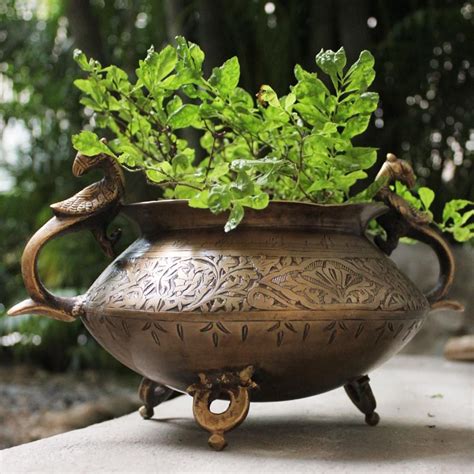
[427,417]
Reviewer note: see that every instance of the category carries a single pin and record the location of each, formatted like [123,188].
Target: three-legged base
[235,387]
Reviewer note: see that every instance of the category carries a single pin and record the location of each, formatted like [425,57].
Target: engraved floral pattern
[212,284]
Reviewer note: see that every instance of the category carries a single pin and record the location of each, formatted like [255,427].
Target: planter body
[297,291]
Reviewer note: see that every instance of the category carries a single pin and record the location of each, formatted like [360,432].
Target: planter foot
[361,395]
[232,386]
[152,394]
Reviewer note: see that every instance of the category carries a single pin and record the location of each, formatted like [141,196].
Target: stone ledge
[427,425]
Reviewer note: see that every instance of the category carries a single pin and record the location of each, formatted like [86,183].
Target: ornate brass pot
[295,302]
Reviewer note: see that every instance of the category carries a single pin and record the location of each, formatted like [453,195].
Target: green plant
[296,147]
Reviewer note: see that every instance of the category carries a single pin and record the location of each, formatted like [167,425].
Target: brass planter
[295,302]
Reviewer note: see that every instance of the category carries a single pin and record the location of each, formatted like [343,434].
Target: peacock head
[82,163]
[396,169]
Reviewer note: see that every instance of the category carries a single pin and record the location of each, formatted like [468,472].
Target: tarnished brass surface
[297,293]
[309,307]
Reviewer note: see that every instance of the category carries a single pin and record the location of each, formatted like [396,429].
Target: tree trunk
[211,33]
[352,27]
[85,29]
[322,27]
[178,19]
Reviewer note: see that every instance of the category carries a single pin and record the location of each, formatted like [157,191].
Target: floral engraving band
[215,283]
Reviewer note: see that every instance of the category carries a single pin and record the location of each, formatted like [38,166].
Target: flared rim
[176,214]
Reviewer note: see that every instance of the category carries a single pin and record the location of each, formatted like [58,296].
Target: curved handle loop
[41,300]
[404,221]
[438,243]
[398,225]
[92,208]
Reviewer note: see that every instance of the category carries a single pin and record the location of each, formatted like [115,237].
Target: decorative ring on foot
[233,386]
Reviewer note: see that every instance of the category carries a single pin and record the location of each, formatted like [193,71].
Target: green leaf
[312,92]
[259,201]
[184,192]
[84,85]
[457,221]
[329,128]
[310,114]
[163,63]
[364,157]
[88,144]
[197,55]
[330,62]
[219,170]
[156,67]
[226,77]
[466,216]
[462,234]
[452,208]
[235,217]
[274,117]
[268,95]
[241,97]
[174,104]
[183,117]
[161,172]
[264,163]
[128,160]
[319,185]
[82,61]
[288,101]
[366,103]
[219,199]
[199,200]
[181,160]
[356,125]
[303,75]
[427,196]
[242,185]
[348,180]
[117,79]
[361,74]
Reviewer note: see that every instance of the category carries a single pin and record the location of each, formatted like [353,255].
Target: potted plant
[254,279]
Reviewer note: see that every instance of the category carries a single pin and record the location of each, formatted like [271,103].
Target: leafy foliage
[297,147]
[457,217]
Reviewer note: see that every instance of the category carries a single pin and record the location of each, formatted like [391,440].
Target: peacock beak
[79,165]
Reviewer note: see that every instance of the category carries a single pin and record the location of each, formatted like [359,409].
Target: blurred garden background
[425,69]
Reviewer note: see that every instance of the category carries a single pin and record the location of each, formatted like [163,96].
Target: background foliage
[425,68]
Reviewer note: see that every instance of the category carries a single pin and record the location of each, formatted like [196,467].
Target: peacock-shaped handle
[93,208]
[403,220]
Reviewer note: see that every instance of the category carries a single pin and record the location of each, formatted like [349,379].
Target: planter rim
[176,214]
